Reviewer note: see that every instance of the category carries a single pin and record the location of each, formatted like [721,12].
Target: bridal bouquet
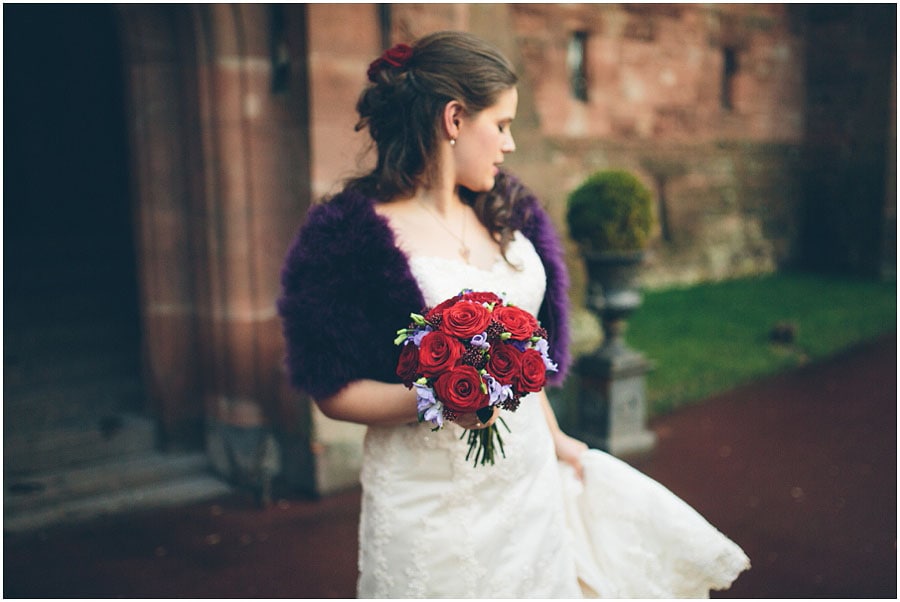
[468,354]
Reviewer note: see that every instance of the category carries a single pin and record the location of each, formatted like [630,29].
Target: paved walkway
[799,469]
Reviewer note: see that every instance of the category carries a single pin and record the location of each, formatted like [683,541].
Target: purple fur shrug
[347,289]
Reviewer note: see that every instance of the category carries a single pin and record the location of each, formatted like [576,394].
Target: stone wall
[723,210]
[343,38]
[724,173]
[655,72]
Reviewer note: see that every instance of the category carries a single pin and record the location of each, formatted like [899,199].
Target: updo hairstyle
[402,108]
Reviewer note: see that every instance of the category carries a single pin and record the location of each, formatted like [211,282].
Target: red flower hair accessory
[392,58]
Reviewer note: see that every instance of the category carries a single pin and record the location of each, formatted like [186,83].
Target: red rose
[518,322]
[438,352]
[408,364]
[460,390]
[505,363]
[438,309]
[482,297]
[534,372]
[465,319]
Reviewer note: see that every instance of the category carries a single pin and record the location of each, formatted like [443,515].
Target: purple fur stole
[347,288]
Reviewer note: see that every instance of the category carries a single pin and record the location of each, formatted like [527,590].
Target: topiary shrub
[610,211]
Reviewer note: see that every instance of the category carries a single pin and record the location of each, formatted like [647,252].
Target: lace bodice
[521,280]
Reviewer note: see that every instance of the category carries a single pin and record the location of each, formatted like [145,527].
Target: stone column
[154,54]
[254,190]
[219,126]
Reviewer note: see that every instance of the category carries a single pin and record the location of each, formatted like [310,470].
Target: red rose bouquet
[468,354]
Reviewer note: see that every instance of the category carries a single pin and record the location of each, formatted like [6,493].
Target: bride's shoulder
[347,211]
[341,226]
[346,204]
[403,207]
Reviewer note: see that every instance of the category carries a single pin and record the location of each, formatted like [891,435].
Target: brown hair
[402,108]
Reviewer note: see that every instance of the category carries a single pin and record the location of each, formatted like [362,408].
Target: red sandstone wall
[655,71]
[724,177]
[343,39]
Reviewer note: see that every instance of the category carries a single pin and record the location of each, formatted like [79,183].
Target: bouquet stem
[484,443]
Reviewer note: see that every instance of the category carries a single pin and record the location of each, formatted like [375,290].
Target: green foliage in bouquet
[610,211]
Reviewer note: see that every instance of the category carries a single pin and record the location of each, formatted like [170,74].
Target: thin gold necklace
[464,250]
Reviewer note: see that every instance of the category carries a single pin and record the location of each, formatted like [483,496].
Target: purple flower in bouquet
[428,407]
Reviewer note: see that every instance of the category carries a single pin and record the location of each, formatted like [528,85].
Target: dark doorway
[71,322]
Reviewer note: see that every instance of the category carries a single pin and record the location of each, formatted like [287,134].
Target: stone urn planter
[613,293]
[610,218]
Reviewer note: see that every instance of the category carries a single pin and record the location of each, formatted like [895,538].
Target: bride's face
[484,140]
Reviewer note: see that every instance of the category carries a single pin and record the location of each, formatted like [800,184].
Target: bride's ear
[452,119]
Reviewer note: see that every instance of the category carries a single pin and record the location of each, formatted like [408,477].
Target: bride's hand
[473,423]
[569,450]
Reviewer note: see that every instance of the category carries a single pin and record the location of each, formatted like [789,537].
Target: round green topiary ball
[610,211]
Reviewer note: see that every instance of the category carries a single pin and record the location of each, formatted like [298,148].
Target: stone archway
[219,132]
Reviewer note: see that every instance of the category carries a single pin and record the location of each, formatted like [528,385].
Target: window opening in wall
[385,24]
[729,70]
[280,57]
[577,65]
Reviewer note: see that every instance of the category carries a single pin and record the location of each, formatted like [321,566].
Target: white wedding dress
[435,526]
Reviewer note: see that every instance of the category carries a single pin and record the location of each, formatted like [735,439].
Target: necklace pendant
[464,253]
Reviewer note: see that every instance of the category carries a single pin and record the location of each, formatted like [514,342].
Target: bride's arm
[371,402]
[568,449]
[377,403]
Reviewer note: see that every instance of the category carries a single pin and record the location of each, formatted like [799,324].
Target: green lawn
[712,337]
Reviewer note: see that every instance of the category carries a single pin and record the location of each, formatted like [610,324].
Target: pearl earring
[452,141]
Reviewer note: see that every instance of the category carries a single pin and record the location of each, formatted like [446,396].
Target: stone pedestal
[612,396]
[612,402]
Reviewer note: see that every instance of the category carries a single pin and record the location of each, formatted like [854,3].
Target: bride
[437,214]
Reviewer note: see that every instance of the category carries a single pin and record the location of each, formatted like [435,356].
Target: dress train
[633,538]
